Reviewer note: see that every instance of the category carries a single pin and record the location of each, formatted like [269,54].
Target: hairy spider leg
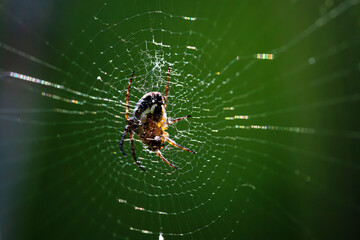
[126,115]
[127,96]
[167,88]
[133,150]
[164,159]
[122,141]
[178,119]
[171,142]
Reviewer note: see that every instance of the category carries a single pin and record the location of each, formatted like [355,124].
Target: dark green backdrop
[277,139]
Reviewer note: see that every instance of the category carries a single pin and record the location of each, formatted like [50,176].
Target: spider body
[149,121]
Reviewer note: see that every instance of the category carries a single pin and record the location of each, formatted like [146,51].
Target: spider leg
[133,150]
[164,159]
[171,142]
[127,96]
[122,141]
[178,119]
[167,87]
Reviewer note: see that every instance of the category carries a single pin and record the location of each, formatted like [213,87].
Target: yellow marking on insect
[266,56]
[164,128]
[162,124]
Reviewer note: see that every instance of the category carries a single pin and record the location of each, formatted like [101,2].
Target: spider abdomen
[150,120]
[151,102]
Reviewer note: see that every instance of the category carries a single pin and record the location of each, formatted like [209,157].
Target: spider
[149,122]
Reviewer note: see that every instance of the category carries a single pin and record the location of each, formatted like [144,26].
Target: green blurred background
[277,139]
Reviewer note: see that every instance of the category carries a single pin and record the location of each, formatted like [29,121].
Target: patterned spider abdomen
[149,120]
[151,102]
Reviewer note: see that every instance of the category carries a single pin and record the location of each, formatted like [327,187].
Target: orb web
[251,122]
